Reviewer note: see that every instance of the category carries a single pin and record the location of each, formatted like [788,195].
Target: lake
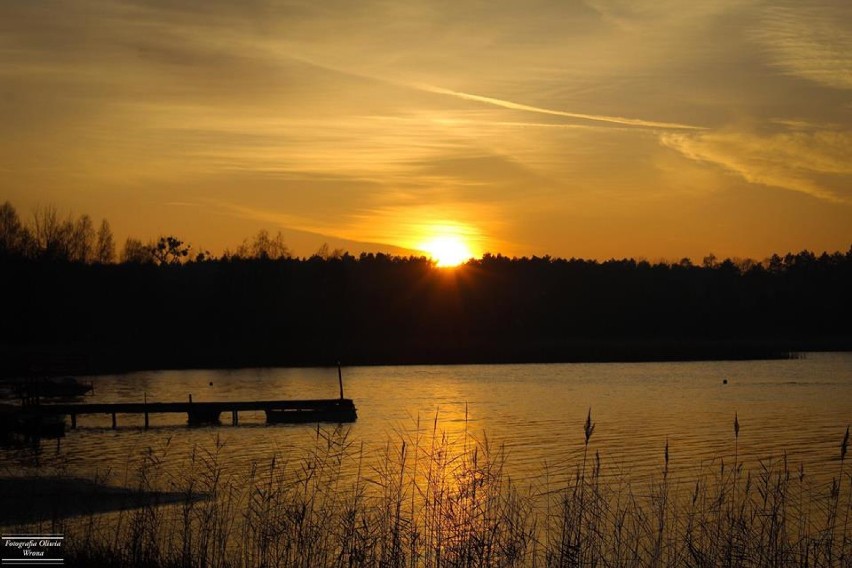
[535,412]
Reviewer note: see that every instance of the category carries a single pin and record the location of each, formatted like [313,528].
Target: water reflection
[536,412]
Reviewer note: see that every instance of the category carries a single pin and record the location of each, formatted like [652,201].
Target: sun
[447,250]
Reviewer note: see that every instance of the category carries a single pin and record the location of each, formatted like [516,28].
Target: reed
[428,500]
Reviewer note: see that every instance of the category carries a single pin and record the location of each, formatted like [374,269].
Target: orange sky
[605,128]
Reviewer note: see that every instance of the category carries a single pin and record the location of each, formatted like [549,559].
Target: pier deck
[278,411]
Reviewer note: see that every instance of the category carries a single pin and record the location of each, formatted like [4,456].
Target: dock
[338,410]
[34,415]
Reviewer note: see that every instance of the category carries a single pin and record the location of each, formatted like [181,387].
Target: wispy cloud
[624,121]
[639,14]
[815,163]
[352,118]
[277,219]
[809,40]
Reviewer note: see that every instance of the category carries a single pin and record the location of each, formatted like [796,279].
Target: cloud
[637,14]
[810,41]
[345,118]
[817,163]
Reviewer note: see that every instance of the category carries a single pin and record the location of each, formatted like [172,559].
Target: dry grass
[429,501]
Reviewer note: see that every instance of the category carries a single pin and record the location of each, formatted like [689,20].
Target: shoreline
[33,499]
[20,361]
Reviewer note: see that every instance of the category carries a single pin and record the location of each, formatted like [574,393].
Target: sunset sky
[607,128]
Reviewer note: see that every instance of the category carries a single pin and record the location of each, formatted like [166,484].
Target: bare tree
[325,253]
[264,247]
[135,252]
[52,236]
[105,247]
[82,240]
[15,239]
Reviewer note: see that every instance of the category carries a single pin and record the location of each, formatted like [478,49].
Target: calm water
[535,411]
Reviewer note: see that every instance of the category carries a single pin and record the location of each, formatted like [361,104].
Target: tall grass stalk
[435,501]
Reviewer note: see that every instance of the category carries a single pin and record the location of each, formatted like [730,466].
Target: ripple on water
[535,412]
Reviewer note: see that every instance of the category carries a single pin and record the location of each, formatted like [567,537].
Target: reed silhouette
[431,500]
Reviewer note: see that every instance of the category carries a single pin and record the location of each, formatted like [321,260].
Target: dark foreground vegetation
[69,307]
[428,501]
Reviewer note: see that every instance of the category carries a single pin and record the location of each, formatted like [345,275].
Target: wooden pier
[277,411]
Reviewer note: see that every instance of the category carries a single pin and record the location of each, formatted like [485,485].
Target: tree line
[49,236]
[259,305]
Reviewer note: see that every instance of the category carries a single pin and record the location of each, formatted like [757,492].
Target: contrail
[624,121]
[517,106]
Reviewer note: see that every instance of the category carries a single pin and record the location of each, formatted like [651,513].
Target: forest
[72,305]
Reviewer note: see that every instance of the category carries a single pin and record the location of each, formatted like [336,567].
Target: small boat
[338,410]
[59,387]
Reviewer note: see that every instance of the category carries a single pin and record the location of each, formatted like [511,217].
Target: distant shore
[77,318]
[24,361]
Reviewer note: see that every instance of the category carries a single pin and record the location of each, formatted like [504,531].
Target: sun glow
[447,250]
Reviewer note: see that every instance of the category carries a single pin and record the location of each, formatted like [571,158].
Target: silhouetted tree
[383,308]
[745,264]
[264,247]
[775,263]
[81,243]
[104,247]
[52,235]
[15,238]
[135,252]
[169,250]
[325,252]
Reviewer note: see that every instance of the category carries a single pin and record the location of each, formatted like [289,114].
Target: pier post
[146,419]
[113,420]
[73,421]
[235,417]
[340,379]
